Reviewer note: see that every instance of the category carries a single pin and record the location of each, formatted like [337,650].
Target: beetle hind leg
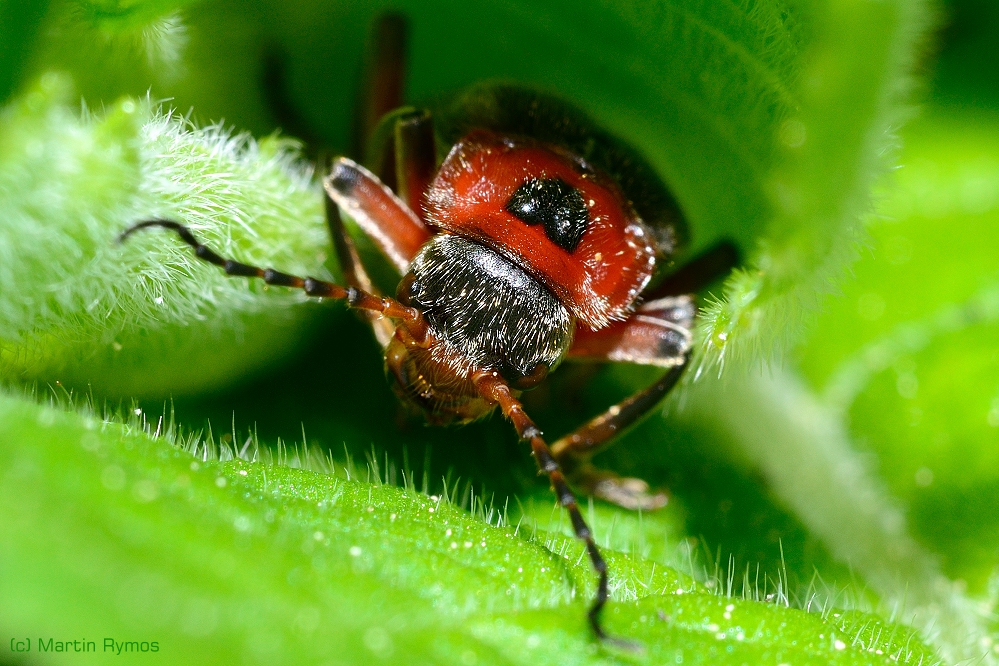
[383,77]
[395,142]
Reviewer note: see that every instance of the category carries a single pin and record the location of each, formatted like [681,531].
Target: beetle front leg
[658,333]
[385,217]
[574,451]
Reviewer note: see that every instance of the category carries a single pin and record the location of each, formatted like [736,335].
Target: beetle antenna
[355,298]
[495,390]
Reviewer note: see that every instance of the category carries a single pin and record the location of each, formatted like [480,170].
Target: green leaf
[768,120]
[908,354]
[849,89]
[250,562]
[146,317]
[19,24]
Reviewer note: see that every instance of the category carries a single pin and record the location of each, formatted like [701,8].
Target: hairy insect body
[483,311]
[540,237]
[553,214]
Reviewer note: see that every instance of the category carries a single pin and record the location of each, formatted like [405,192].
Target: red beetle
[533,241]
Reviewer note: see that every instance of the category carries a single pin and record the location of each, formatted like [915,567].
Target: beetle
[534,240]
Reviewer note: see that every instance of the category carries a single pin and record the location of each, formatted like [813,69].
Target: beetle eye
[532,378]
[554,203]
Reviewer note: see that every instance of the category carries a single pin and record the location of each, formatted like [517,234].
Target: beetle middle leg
[658,333]
[392,220]
[354,272]
[382,215]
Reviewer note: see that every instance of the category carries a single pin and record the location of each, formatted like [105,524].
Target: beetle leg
[395,142]
[403,154]
[495,390]
[354,272]
[384,77]
[714,263]
[415,158]
[397,231]
[575,450]
[355,298]
[658,333]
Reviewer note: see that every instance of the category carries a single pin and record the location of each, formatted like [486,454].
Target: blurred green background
[839,448]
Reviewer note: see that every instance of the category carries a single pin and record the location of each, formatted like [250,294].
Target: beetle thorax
[483,312]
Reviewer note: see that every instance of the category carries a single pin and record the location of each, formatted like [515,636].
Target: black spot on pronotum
[554,203]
